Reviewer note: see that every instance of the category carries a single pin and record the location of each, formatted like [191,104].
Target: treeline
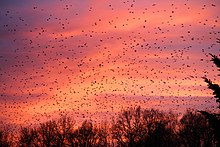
[133,127]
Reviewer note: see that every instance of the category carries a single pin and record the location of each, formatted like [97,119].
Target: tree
[64,128]
[214,87]
[88,135]
[161,128]
[47,133]
[214,119]
[6,139]
[195,131]
[129,128]
[135,127]
[28,137]
[51,133]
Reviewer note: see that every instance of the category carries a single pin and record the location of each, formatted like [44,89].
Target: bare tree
[161,128]
[134,127]
[47,133]
[103,135]
[129,128]
[89,135]
[6,138]
[28,137]
[64,129]
[195,130]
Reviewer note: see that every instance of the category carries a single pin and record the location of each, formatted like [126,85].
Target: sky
[90,59]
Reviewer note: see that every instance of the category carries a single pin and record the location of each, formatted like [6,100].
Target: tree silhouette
[64,128]
[134,127]
[28,137]
[214,122]
[129,128]
[47,133]
[89,135]
[214,87]
[161,128]
[62,133]
[214,119]
[51,133]
[195,131]
[6,139]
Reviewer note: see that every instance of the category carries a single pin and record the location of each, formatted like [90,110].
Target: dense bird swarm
[90,59]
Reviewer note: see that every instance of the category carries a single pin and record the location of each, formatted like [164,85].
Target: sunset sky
[92,58]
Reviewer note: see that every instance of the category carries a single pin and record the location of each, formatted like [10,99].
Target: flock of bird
[92,59]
